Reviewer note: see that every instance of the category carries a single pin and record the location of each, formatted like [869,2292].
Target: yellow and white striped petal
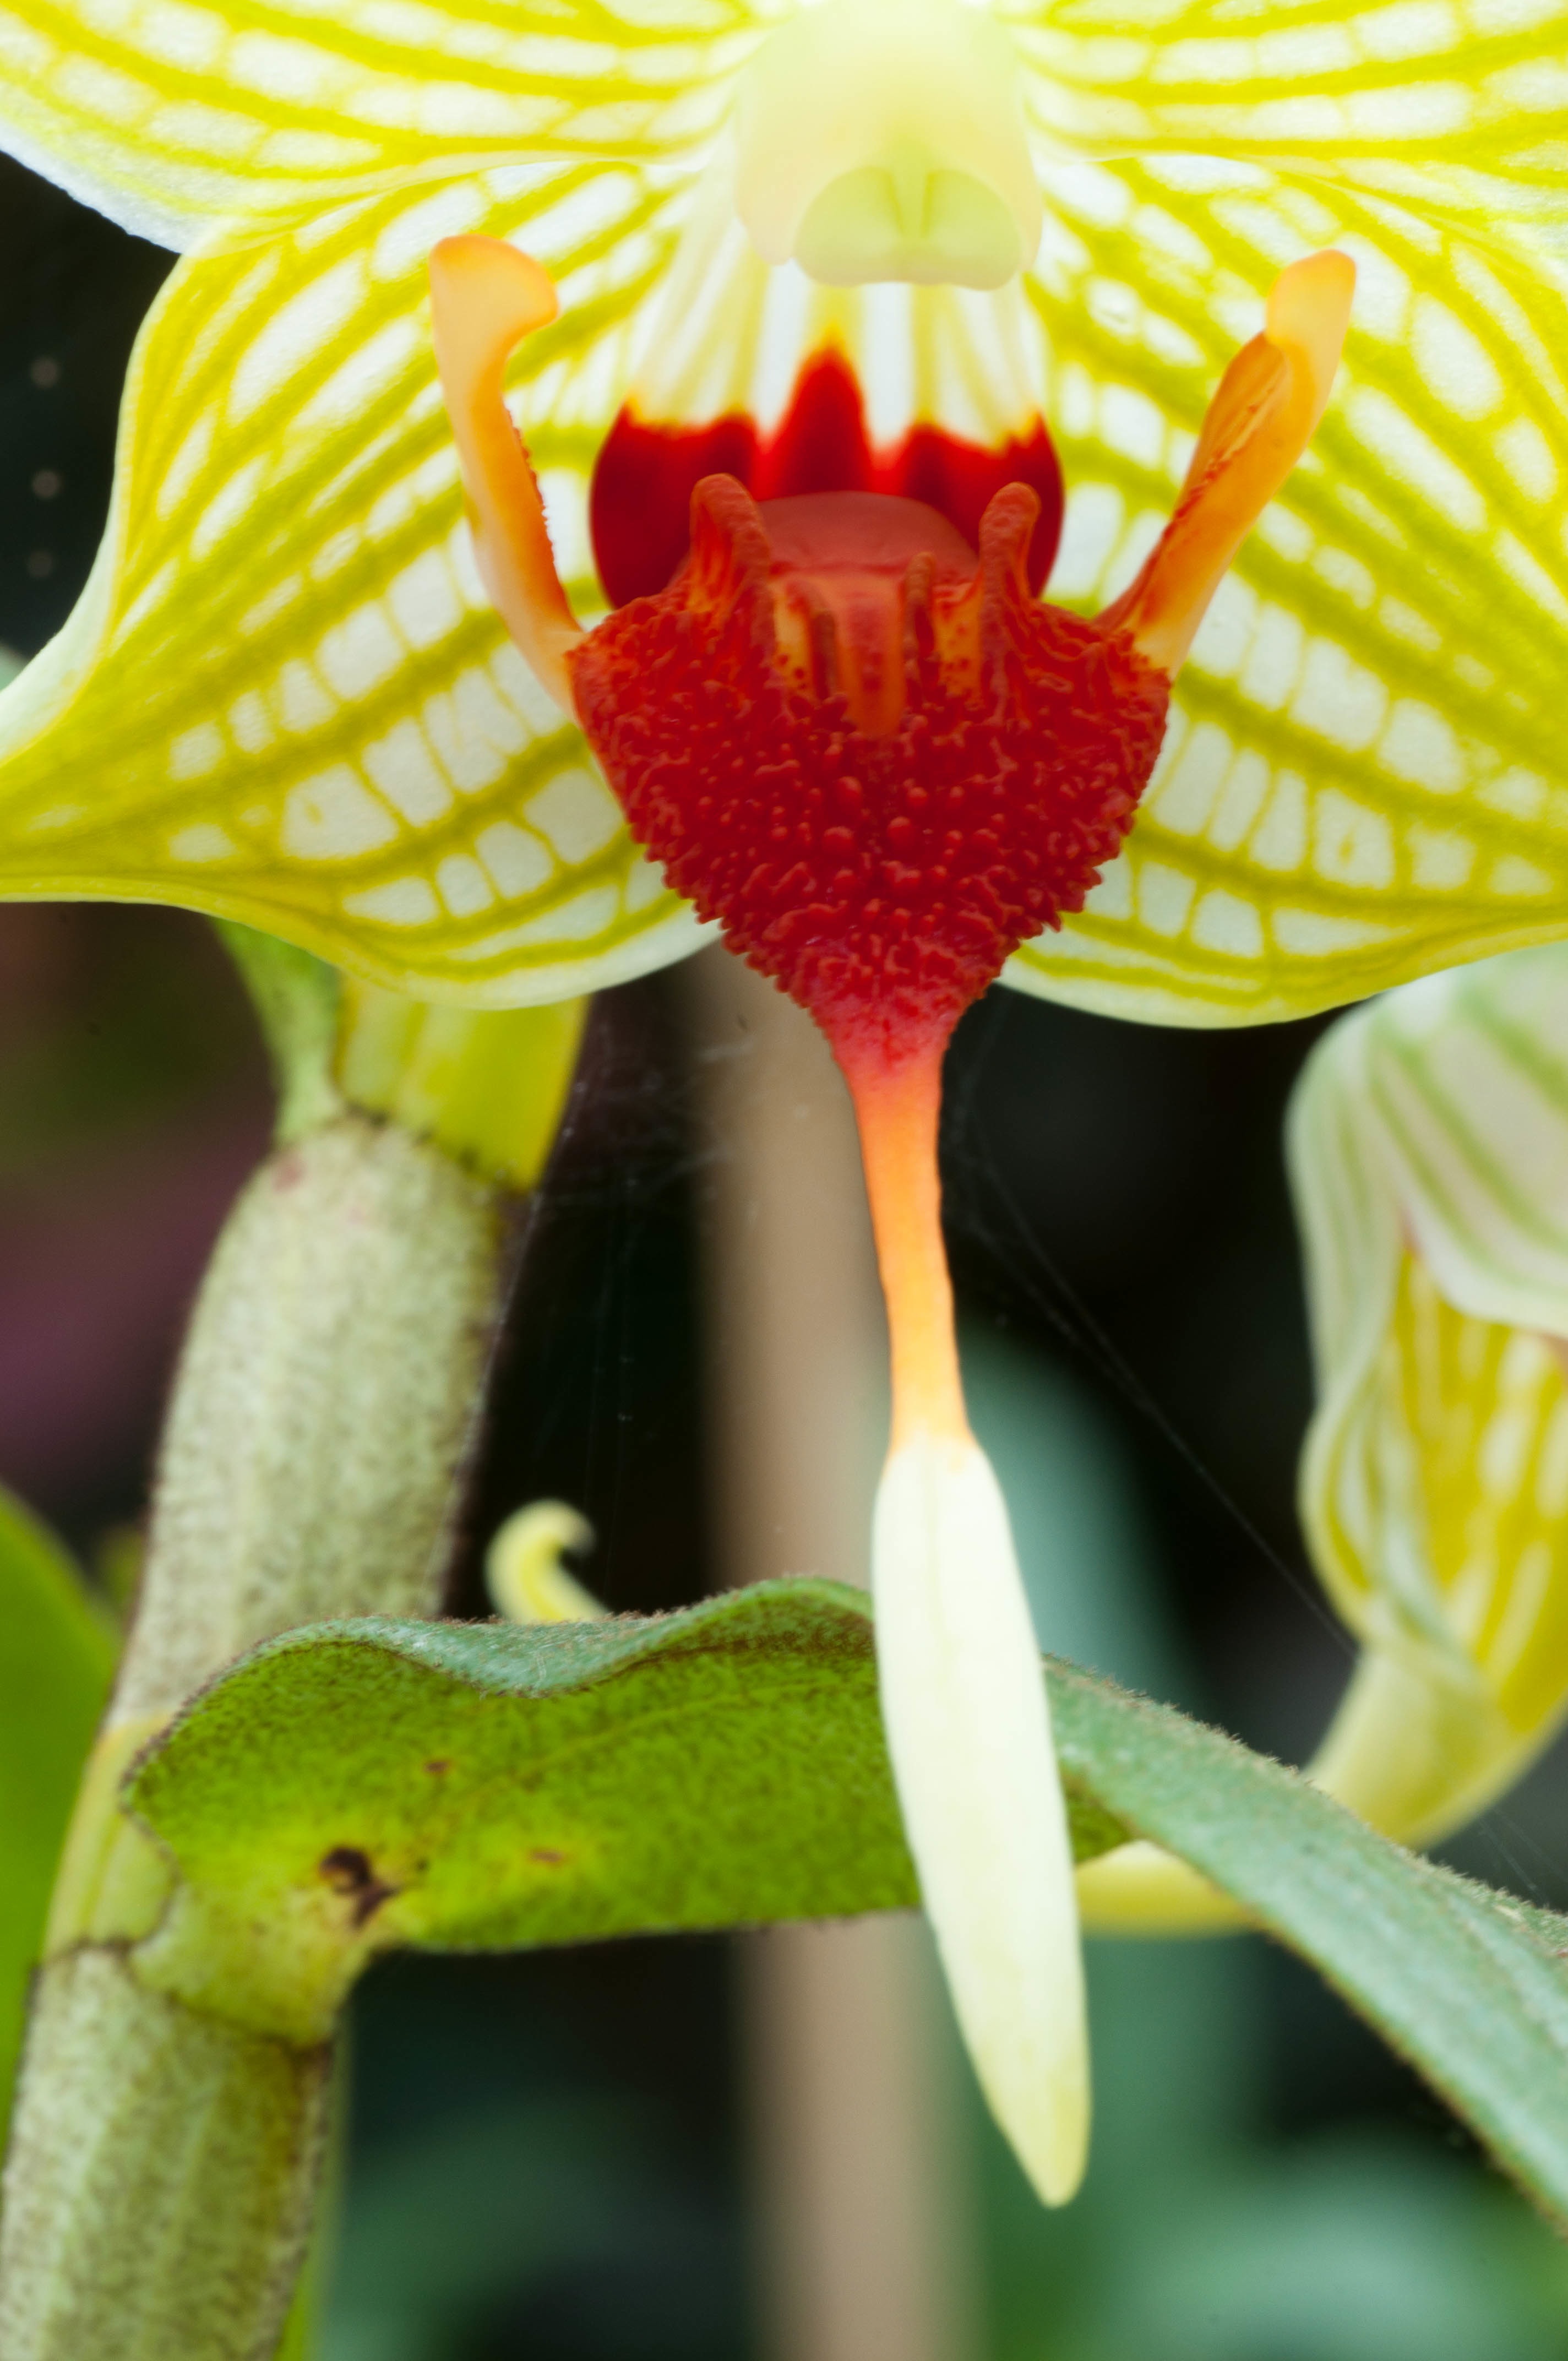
[968,1729]
[284,697]
[1429,1155]
[1449,99]
[1449,1108]
[172,114]
[1364,778]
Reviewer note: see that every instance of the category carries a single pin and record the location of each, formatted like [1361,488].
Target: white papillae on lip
[963,1702]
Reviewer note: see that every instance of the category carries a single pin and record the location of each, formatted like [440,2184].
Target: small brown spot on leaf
[551,1859]
[350,1872]
[437,1766]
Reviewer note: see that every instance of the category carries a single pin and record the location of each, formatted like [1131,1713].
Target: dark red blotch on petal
[640,506]
[882,879]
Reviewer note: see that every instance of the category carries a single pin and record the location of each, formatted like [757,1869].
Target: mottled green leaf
[357,1786]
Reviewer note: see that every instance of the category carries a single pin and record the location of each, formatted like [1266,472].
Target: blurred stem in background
[862,2237]
[164,2160]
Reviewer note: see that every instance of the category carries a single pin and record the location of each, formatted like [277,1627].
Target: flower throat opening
[640,504]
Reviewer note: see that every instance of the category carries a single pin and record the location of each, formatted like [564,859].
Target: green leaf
[468,1786]
[362,1785]
[56,1657]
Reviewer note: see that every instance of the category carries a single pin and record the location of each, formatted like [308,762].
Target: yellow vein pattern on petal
[284,697]
[1435,1483]
[1465,1078]
[1466,96]
[172,114]
[1452,1471]
[1363,778]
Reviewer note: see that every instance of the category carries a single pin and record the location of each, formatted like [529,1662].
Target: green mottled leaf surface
[358,1785]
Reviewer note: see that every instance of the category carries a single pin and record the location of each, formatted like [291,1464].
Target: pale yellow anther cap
[883,139]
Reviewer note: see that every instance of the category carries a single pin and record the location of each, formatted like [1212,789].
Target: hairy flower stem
[164,2158]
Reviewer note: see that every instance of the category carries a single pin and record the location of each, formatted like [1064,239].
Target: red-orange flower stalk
[853,735]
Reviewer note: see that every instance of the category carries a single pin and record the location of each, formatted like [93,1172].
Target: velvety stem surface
[159,2188]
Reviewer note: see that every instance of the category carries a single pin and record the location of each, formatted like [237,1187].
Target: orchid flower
[857,252]
[1429,1147]
[1429,1152]
[284,699]
[880,763]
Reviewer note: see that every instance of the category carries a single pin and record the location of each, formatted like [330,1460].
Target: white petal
[964,1703]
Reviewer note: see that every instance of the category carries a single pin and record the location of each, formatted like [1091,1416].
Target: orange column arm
[1258,426]
[484,297]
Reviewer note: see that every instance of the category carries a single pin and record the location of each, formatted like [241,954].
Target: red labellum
[640,505]
[882,765]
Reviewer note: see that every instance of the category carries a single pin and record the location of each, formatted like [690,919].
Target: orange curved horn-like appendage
[484,297]
[1258,426]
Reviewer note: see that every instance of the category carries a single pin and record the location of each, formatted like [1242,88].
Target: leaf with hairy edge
[358,1787]
[56,1657]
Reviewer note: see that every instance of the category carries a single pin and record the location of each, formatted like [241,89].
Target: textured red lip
[878,759]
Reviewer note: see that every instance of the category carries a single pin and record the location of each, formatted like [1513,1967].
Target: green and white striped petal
[1429,1155]
[1364,778]
[284,697]
[173,115]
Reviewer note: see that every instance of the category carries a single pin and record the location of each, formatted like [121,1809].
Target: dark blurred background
[547,2156]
